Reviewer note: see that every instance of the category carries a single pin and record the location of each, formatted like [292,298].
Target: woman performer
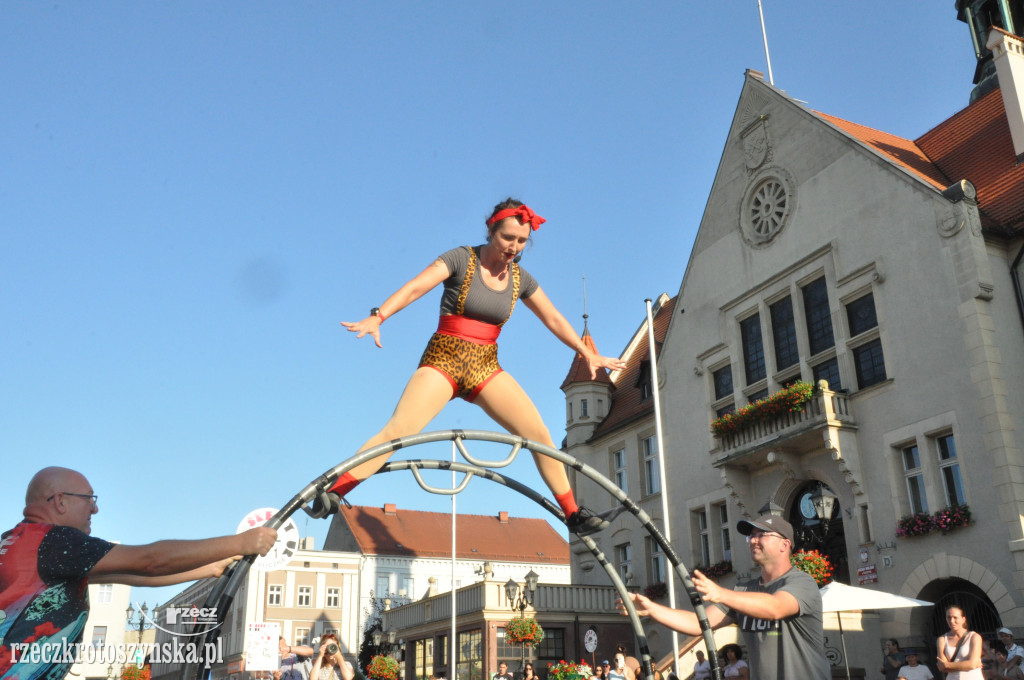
[481,286]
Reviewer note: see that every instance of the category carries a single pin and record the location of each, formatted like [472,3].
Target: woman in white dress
[959,655]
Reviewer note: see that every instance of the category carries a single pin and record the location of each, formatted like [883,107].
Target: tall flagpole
[764,35]
[656,393]
[451,644]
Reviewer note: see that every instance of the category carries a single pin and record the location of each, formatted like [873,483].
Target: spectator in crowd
[503,672]
[701,669]
[619,671]
[959,655]
[735,667]
[1005,669]
[292,658]
[892,659]
[329,663]
[913,670]
[1014,652]
[989,663]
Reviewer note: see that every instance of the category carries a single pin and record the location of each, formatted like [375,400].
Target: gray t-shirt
[793,647]
[482,302]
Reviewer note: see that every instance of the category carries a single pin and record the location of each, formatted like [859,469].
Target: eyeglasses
[762,535]
[91,496]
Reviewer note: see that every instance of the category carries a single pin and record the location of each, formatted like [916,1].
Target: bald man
[49,558]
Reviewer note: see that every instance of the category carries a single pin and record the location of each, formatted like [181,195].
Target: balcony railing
[824,408]
[490,595]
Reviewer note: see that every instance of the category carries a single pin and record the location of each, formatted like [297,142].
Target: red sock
[567,502]
[344,484]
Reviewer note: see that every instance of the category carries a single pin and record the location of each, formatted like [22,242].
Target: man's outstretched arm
[183,560]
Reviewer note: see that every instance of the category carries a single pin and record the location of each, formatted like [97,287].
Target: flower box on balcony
[787,400]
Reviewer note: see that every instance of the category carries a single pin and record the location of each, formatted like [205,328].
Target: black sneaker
[325,504]
[583,522]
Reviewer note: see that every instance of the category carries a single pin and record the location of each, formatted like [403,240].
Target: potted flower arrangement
[523,631]
[815,564]
[789,399]
[569,670]
[383,667]
[133,672]
[717,570]
[656,591]
[918,524]
[953,517]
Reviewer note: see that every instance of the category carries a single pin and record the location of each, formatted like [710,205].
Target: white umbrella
[839,597]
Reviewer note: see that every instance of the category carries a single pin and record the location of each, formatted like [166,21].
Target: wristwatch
[376,312]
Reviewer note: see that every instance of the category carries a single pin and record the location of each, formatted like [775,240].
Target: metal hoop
[223,592]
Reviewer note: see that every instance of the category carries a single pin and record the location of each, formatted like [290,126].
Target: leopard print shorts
[467,365]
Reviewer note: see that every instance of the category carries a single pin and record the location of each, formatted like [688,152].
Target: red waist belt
[471,330]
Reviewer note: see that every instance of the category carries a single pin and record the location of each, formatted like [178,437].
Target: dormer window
[643,380]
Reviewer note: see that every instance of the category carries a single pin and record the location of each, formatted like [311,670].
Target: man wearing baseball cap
[913,670]
[779,613]
[1014,652]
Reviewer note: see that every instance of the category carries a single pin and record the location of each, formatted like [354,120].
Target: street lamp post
[522,600]
[139,621]
[383,641]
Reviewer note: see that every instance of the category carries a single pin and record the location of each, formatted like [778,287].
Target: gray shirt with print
[793,647]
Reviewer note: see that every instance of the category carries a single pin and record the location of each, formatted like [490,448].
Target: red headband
[522,213]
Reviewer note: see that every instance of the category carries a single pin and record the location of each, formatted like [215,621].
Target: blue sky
[193,195]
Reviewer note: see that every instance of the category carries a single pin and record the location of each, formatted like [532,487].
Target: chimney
[390,509]
[503,517]
[1008,56]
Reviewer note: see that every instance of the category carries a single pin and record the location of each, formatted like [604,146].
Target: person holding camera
[620,671]
[329,663]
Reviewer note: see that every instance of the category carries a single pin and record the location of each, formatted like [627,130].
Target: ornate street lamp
[824,504]
[522,600]
[137,622]
[383,641]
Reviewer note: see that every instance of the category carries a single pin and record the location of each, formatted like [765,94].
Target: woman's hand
[597,362]
[370,325]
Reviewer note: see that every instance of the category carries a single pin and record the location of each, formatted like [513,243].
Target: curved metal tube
[223,592]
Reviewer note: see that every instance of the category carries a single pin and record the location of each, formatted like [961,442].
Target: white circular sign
[590,640]
[287,539]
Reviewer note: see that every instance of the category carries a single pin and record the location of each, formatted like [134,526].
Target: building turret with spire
[982,16]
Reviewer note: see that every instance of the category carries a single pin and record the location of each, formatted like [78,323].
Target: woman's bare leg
[505,401]
[508,404]
[423,398]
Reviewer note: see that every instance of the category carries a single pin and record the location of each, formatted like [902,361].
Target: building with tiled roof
[311,593]
[406,555]
[886,272]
